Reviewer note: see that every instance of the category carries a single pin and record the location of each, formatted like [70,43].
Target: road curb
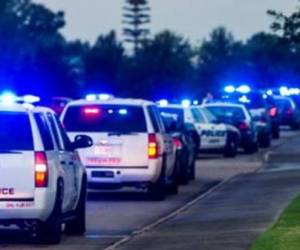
[170,216]
[265,159]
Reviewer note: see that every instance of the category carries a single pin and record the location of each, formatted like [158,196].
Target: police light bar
[101,97]
[9,98]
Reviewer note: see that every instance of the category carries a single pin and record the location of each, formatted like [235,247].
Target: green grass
[285,233]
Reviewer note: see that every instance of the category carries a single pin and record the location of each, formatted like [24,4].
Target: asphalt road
[112,216]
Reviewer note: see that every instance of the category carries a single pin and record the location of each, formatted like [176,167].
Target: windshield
[18,125]
[234,113]
[105,118]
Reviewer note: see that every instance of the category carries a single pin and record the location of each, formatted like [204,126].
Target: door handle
[71,163]
[63,163]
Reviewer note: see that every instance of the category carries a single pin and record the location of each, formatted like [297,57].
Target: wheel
[173,187]
[231,148]
[276,132]
[50,232]
[158,190]
[192,173]
[77,225]
[265,141]
[183,173]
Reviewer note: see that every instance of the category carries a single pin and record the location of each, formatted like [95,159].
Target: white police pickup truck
[42,181]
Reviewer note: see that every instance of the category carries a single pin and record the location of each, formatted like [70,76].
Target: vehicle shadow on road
[15,237]
[118,196]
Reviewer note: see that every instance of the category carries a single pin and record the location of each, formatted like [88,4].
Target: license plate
[214,141]
[103,174]
[100,161]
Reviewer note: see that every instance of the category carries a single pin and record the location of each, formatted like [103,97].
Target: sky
[194,19]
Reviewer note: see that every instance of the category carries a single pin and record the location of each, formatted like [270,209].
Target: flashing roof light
[186,103]
[244,99]
[244,89]
[269,92]
[163,103]
[31,99]
[229,89]
[284,91]
[8,98]
[91,97]
[294,91]
[105,97]
[195,102]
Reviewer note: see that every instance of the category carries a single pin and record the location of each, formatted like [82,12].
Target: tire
[183,173]
[173,188]
[50,232]
[276,132]
[231,148]
[158,190]
[77,226]
[192,174]
[265,141]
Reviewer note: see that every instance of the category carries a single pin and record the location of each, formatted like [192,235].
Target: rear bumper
[124,176]
[16,212]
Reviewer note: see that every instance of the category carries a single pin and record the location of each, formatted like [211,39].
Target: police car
[131,147]
[238,116]
[42,181]
[215,136]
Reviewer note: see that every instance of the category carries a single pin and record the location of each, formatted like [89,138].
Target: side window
[44,131]
[159,119]
[197,115]
[153,119]
[55,132]
[64,136]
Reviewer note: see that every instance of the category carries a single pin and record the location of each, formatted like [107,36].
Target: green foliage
[285,233]
[103,64]
[288,26]
[162,66]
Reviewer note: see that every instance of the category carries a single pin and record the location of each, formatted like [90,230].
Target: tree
[162,67]
[287,25]
[218,59]
[103,64]
[32,49]
[136,17]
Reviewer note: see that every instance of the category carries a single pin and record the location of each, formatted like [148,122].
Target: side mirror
[82,141]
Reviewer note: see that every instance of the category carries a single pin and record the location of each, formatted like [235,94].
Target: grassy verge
[285,233]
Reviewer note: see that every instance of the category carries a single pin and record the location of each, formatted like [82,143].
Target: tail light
[177,143]
[41,170]
[243,126]
[153,147]
[289,111]
[273,112]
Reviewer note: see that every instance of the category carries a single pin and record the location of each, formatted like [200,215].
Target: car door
[66,162]
[170,152]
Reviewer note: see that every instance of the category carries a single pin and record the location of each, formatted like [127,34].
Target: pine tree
[135,18]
